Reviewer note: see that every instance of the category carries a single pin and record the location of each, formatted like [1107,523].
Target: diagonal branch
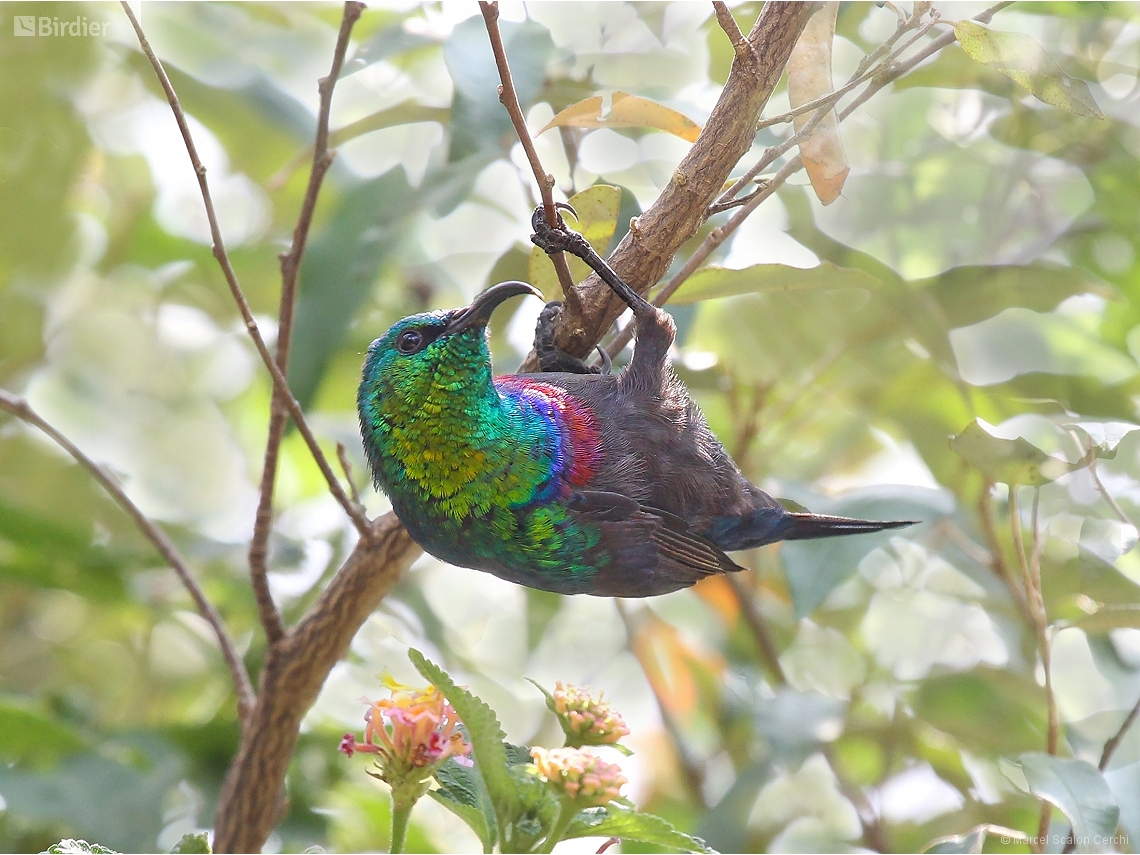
[643,256]
[510,99]
[20,408]
[884,73]
[290,269]
[279,381]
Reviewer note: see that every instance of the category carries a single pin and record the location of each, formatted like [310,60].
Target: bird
[575,480]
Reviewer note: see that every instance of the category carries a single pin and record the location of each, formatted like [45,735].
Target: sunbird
[567,480]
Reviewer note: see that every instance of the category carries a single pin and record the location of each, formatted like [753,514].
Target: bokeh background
[912,681]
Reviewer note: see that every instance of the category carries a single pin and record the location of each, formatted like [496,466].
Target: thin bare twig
[758,626]
[510,99]
[223,259]
[290,270]
[20,408]
[342,456]
[1116,509]
[1032,581]
[1111,745]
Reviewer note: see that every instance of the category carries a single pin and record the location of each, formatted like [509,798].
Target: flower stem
[566,815]
[401,810]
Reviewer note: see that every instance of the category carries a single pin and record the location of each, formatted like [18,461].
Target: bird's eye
[409,341]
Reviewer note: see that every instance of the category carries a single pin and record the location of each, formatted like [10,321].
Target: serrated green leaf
[597,209]
[193,844]
[631,825]
[1007,461]
[470,814]
[1080,791]
[459,782]
[1024,61]
[487,737]
[712,282]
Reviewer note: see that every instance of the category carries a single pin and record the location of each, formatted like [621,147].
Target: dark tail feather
[809,526]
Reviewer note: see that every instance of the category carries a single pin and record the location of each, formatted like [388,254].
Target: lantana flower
[586,717]
[579,775]
[411,733]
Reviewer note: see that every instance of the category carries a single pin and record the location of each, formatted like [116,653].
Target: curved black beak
[479,312]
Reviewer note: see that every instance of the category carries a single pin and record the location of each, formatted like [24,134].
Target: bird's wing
[649,551]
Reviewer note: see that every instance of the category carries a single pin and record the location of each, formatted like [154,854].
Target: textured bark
[295,669]
[644,255]
[297,666]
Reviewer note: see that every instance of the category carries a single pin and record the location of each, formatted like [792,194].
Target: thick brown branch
[644,254]
[293,675]
[510,99]
[290,269]
[279,381]
[20,408]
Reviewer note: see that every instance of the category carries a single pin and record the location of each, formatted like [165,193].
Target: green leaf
[1079,790]
[491,759]
[473,816]
[1023,60]
[463,792]
[973,293]
[479,122]
[389,41]
[972,841]
[612,821]
[193,844]
[1007,461]
[988,710]
[597,208]
[31,737]
[711,282]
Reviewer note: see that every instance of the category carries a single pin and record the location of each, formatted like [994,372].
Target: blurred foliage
[979,278]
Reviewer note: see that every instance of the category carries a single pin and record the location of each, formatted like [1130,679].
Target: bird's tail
[809,526]
[770,523]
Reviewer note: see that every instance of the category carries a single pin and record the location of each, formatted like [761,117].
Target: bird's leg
[553,358]
[655,329]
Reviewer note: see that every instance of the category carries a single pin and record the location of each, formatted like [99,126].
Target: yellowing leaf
[597,209]
[1023,60]
[809,78]
[626,111]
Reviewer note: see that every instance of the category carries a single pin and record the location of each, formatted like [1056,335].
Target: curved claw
[607,365]
[538,218]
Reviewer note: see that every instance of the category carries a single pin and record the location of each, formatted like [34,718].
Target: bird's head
[424,349]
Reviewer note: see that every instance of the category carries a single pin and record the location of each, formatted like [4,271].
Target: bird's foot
[552,239]
[553,358]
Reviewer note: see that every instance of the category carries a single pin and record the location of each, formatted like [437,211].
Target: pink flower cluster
[580,774]
[586,717]
[412,730]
